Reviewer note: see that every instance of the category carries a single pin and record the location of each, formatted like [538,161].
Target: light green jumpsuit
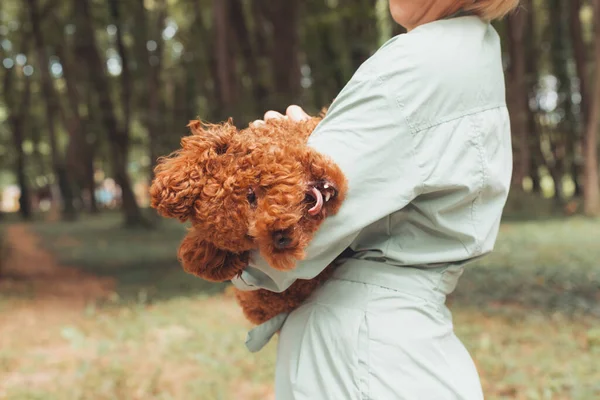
[422,133]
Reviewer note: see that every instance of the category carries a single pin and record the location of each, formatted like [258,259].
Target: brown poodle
[259,188]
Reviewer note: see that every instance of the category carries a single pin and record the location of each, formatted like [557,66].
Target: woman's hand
[293,112]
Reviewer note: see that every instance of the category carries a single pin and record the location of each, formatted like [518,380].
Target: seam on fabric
[389,235]
[363,359]
[369,369]
[424,299]
[477,131]
[451,118]
[419,189]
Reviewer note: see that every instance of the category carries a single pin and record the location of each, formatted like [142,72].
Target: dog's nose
[281,240]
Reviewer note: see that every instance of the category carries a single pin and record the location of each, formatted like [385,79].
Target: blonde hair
[490,9]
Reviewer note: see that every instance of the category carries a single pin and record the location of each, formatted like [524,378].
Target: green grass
[551,265]
[185,348]
[528,313]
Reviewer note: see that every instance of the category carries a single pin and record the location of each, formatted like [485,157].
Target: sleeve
[365,133]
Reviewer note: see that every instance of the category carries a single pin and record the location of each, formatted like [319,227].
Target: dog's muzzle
[318,195]
[281,240]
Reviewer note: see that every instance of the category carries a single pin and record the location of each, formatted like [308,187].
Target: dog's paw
[284,259]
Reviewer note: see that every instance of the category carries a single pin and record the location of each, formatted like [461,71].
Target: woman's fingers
[273,115]
[296,113]
[293,112]
[268,115]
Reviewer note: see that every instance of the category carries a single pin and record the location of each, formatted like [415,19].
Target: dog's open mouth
[318,195]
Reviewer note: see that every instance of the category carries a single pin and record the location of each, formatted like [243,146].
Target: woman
[422,133]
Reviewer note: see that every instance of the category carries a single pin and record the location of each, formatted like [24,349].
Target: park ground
[92,311]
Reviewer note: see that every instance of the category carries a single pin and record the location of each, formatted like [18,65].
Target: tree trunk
[566,132]
[53,109]
[361,31]
[126,83]
[591,196]
[536,158]
[536,186]
[91,138]
[199,67]
[156,114]
[329,73]
[518,98]
[284,17]
[25,197]
[83,157]
[259,89]
[17,114]
[88,136]
[148,73]
[223,62]
[579,54]
[117,137]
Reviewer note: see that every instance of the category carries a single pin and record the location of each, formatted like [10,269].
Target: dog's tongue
[319,199]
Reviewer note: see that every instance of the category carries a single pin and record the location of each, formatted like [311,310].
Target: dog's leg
[261,305]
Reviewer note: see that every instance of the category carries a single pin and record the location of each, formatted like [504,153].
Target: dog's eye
[221,149]
[251,197]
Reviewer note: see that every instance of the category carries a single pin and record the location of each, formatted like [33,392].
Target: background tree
[592,192]
[98,91]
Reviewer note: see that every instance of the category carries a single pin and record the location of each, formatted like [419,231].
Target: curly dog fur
[261,188]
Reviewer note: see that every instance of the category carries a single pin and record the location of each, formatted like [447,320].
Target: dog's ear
[212,139]
[201,258]
[180,177]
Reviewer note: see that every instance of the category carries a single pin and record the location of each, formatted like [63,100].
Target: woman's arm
[365,133]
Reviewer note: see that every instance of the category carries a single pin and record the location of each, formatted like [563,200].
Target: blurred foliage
[125,77]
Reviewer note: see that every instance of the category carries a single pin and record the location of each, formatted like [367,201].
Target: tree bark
[566,132]
[329,73]
[199,60]
[536,158]
[579,54]
[155,117]
[591,196]
[89,136]
[259,89]
[223,62]
[117,137]
[17,114]
[53,109]
[518,97]
[83,154]
[91,139]
[284,17]
[126,83]
[361,31]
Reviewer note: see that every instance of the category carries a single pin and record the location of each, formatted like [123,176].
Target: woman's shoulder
[440,69]
[454,45]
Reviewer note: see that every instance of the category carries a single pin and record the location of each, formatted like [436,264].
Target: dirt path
[38,297]
[39,292]
[31,270]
